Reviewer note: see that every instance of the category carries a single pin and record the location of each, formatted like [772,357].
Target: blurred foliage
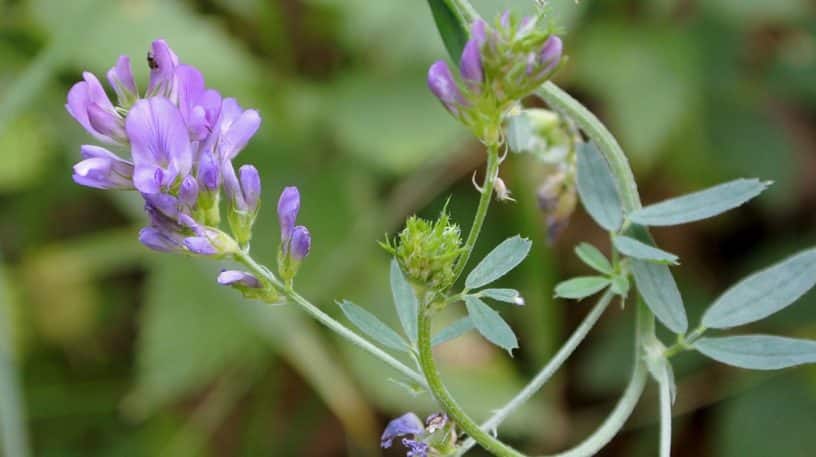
[127,352]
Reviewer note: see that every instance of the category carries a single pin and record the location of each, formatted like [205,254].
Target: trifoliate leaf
[640,250]
[758,352]
[372,326]
[597,189]
[506,256]
[490,324]
[658,289]
[581,287]
[593,257]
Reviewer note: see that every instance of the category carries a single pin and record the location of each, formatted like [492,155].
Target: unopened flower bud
[300,244]
[471,64]
[442,84]
[159,240]
[250,186]
[188,191]
[288,208]
[238,278]
[107,123]
[427,251]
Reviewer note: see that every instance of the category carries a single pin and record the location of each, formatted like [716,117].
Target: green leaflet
[764,292]
[372,326]
[596,186]
[490,324]
[700,205]
[503,258]
[758,352]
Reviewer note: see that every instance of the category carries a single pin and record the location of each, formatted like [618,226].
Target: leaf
[371,326]
[597,188]
[506,256]
[506,295]
[593,257]
[453,331]
[640,250]
[405,301]
[620,285]
[490,324]
[581,287]
[658,289]
[450,27]
[758,352]
[520,134]
[700,205]
[764,292]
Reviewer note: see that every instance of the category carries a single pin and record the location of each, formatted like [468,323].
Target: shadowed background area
[120,351]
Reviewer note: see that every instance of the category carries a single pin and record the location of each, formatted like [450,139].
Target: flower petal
[407,424]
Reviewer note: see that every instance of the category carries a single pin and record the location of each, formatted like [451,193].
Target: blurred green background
[125,352]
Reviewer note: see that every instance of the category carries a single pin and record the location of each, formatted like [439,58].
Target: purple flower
[162,62]
[200,245]
[158,240]
[90,106]
[235,127]
[160,144]
[300,244]
[188,191]
[442,84]
[120,77]
[407,424]
[416,448]
[288,208]
[198,105]
[238,278]
[103,169]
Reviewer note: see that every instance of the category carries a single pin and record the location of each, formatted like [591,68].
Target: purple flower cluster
[435,437]
[503,64]
[181,137]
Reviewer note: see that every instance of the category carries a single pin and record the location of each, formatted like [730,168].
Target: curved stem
[619,164]
[491,173]
[328,321]
[546,373]
[445,399]
[637,383]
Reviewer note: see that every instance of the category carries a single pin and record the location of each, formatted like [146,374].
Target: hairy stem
[546,373]
[328,321]
[445,399]
[615,421]
[665,419]
[491,173]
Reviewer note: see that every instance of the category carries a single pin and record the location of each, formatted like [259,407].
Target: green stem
[491,173]
[546,373]
[327,320]
[665,419]
[445,399]
[619,164]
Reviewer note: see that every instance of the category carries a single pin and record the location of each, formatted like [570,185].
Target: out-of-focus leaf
[620,285]
[453,331]
[658,289]
[757,12]
[392,123]
[764,293]
[25,153]
[593,257]
[596,187]
[13,430]
[503,258]
[449,26]
[700,205]
[128,28]
[581,287]
[371,326]
[750,425]
[405,300]
[639,250]
[506,295]
[646,75]
[758,352]
[490,324]
[174,358]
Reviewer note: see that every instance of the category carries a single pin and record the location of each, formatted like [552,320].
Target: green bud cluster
[427,250]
